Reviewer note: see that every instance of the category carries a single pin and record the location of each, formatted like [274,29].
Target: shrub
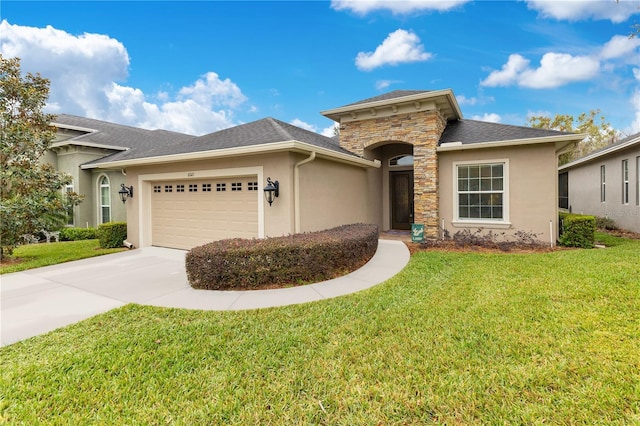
[578,230]
[606,223]
[243,264]
[76,234]
[112,234]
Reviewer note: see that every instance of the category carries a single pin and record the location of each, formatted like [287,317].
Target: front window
[481,192]
[625,181]
[105,200]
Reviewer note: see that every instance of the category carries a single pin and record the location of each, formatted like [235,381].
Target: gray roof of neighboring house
[264,131]
[629,141]
[116,135]
[473,131]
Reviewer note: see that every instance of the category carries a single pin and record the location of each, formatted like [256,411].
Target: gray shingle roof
[390,95]
[137,140]
[472,131]
[264,131]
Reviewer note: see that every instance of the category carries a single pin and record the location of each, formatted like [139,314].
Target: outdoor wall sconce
[271,191]
[125,192]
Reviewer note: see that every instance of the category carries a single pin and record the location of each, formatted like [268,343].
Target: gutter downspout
[296,190]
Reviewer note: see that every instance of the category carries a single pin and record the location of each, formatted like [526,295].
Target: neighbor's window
[637,181]
[480,191]
[625,181]
[401,160]
[603,184]
[105,200]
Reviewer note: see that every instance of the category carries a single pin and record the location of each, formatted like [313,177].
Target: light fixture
[125,192]
[271,191]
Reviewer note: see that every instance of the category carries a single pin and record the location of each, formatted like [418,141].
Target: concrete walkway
[39,300]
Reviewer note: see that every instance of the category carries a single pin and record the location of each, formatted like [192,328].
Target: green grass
[45,254]
[475,338]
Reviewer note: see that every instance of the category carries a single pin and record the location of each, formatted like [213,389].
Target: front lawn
[456,338]
[45,254]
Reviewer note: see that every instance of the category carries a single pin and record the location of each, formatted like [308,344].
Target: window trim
[625,181]
[603,184]
[398,157]
[503,223]
[100,205]
[638,180]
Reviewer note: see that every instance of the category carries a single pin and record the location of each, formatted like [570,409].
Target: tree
[30,191]
[599,132]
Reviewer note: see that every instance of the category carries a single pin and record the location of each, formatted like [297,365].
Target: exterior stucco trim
[292,145]
[459,146]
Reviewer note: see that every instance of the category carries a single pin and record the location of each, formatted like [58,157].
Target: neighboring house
[403,157]
[80,140]
[605,183]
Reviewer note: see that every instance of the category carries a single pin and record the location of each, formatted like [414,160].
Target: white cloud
[620,46]
[85,72]
[363,7]
[491,118]
[556,69]
[399,47]
[635,102]
[463,100]
[383,84]
[577,10]
[509,73]
[327,131]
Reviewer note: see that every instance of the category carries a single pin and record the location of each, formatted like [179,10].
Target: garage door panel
[197,215]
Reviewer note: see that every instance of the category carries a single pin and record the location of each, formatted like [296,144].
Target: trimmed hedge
[242,264]
[112,234]
[577,230]
[76,234]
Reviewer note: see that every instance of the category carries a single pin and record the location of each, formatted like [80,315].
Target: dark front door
[401,199]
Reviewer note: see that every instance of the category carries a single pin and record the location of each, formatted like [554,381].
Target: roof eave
[595,155]
[336,113]
[459,146]
[88,144]
[291,145]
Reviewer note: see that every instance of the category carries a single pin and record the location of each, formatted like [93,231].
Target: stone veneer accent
[422,130]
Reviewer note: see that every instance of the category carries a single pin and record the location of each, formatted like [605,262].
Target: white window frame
[100,205]
[477,222]
[603,184]
[625,181]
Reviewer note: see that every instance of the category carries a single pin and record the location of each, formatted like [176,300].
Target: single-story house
[400,158]
[605,183]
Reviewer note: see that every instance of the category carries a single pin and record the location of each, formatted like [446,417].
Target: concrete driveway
[37,301]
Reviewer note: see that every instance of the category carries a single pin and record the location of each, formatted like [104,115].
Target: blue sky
[197,67]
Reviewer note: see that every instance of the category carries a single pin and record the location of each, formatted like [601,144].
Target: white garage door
[185,214]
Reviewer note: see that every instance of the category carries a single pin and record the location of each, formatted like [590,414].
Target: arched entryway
[397,183]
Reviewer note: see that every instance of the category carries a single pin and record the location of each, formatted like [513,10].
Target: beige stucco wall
[68,159]
[334,194]
[331,193]
[584,189]
[532,192]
